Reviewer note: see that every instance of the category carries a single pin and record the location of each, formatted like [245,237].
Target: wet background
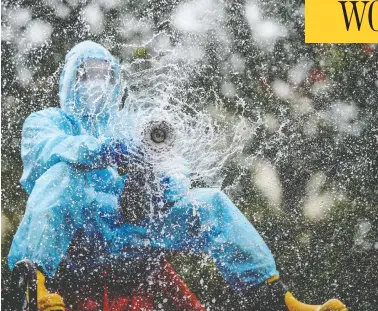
[287,129]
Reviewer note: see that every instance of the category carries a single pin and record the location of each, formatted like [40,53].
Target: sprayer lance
[141,189]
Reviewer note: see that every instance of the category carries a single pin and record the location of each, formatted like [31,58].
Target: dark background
[320,145]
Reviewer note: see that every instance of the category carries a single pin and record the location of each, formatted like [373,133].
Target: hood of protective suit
[71,102]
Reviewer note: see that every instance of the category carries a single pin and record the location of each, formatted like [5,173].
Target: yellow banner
[335,21]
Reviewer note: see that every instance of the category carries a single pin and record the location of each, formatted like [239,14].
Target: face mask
[95,97]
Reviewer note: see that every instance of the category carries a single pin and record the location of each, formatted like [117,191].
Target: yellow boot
[47,301]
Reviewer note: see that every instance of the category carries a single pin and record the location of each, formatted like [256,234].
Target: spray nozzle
[158,135]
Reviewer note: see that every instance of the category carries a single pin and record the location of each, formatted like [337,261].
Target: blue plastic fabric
[62,154]
[205,220]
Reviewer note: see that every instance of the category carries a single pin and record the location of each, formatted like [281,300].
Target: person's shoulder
[53,114]
[49,112]
[48,117]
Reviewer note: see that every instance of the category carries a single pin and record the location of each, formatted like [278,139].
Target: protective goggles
[94,69]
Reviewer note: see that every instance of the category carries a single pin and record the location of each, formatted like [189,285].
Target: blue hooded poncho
[66,197]
[56,144]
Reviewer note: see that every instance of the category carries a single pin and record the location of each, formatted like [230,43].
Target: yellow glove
[47,301]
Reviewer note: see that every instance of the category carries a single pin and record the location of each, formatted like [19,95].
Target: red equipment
[167,281]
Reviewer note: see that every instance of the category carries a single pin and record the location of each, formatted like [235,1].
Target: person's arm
[176,187]
[48,138]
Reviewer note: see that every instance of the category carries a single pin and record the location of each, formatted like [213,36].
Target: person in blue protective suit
[73,185]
